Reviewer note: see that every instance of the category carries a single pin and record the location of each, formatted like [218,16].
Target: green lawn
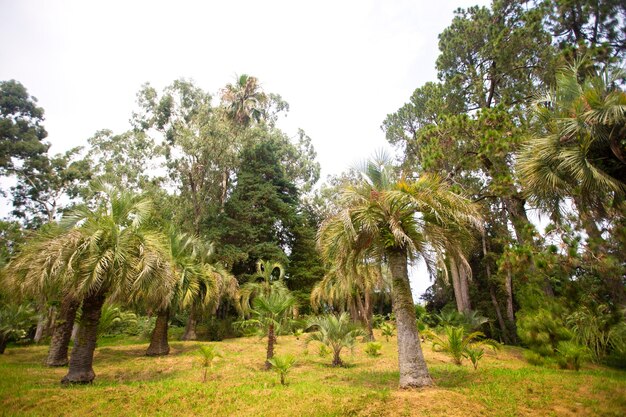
[130,384]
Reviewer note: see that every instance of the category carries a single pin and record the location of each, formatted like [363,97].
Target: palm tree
[269,275]
[351,290]
[459,344]
[200,282]
[244,100]
[580,151]
[270,312]
[282,365]
[208,354]
[106,252]
[393,221]
[336,332]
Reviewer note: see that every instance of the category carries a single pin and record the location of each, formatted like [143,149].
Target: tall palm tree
[244,100]
[269,275]
[105,252]
[393,221]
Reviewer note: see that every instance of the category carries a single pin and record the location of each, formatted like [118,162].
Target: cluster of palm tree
[113,250]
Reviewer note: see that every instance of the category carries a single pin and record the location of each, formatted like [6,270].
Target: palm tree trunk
[158,341]
[368,316]
[190,328]
[271,338]
[464,281]
[61,332]
[3,344]
[41,324]
[413,369]
[510,312]
[81,360]
[336,358]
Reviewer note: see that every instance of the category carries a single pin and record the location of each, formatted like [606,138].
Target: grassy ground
[130,384]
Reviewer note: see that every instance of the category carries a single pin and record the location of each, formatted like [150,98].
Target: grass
[130,384]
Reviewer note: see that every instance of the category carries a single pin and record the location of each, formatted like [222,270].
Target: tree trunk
[496,306]
[3,344]
[41,325]
[158,341]
[61,332]
[368,316]
[336,358]
[271,339]
[81,360]
[75,329]
[464,281]
[456,285]
[510,313]
[413,369]
[190,328]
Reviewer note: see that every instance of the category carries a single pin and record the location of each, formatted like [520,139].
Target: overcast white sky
[341,65]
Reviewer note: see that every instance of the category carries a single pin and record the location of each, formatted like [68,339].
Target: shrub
[387,330]
[323,351]
[474,355]
[335,332]
[208,354]
[373,348]
[282,365]
[534,358]
[571,355]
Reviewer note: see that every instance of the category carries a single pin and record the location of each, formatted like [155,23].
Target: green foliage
[21,129]
[542,329]
[387,330]
[373,349]
[323,351]
[534,358]
[114,320]
[592,329]
[208,355]
[571,355]
[15,320]
[282,365]
[335,332]
[459,344]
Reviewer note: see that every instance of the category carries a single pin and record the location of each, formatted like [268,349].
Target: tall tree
[21,129]
[379,222]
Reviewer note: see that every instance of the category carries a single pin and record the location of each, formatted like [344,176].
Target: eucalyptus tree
[108,251]
[394,221]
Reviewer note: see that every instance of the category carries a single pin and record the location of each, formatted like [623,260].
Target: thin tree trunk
[413,369]
[368,316]
[62,331]
[456,286]
[81,360]
[271,339]
[190,328]
[3,344]
[510,313]
[75,329]
[496,306]
[464,281]
[158,341]
[41,324]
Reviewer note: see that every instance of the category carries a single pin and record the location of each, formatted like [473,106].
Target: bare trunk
[41,324]
[3,344]
[464,281]
[413,369]
[271,339]
[190,328]
[75,330]
[496,306]
[61,332]
[458,286]
[81,360]
[158,341]
[369,326]
[510,313]
[336,358]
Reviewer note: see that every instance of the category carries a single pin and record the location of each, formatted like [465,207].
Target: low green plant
[336,332]
[297,333]
[373,348]
[474,355]
[14,322]
[534,358]
[282,364]
[208,355]
[323,351]
[456,342]
[571,355]
[387,330]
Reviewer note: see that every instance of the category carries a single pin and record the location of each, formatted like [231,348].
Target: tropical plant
[474,355]
[335,332]
[244,100]
[389,220]
[571,355]
[113,319]
[15,320]
[323,351]
[270,312]
[208,355]
[373,348]
[269,275]
[456,342]
[108,251]
[282,365]
[387,330]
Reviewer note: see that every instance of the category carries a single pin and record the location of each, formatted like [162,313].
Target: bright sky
[341,65]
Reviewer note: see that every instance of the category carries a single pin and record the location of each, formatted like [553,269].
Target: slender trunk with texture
[413,369]
[75,330]
[81,359]
[464,281]
[369,325]
[52,318]
[62,331]
[41,325]
[457,286]
[190,328]
[271,339]
[158,340]
[3,344]
[510,313]
[496,306]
